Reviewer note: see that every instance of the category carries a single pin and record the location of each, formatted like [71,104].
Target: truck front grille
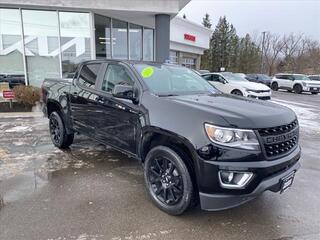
[280,140]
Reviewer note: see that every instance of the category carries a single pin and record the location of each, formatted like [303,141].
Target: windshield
[301,77]
[232,77]
[173,80]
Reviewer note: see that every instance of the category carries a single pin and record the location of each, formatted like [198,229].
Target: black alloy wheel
[55,130]
[58,132]
[168,181]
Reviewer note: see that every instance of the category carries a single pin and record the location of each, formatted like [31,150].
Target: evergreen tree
[206,21]
[222,45]
[249,55]
[205,58]
[229,51]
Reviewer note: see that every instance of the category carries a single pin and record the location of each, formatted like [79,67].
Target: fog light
[234,179]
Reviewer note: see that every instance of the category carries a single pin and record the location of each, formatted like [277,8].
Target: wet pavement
[94,192]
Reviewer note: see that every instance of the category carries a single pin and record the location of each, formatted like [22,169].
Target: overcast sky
[255,16]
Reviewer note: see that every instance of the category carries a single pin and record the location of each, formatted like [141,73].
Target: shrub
[27,95]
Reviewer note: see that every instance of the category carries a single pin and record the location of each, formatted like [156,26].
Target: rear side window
[116,75]
[207,77]
[88,75]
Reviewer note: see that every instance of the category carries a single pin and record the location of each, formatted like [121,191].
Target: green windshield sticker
[147,72]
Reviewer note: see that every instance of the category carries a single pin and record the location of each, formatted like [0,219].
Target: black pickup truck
[195,143]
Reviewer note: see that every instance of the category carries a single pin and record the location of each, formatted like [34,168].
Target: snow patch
[19,129]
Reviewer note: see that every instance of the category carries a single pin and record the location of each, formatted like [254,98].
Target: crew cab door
[118,118]
[82,97]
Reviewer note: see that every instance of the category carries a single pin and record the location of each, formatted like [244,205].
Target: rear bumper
[225,200]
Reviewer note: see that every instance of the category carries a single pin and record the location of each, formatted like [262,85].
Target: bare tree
[272,50]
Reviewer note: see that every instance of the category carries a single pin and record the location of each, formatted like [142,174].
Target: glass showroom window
[102,34]
[75,40]
[174,57]
[119,39]
[148,44]
[41,38]
[11,46]
[135,36]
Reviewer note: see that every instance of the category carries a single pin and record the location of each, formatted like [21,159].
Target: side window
[215,78]
[88,75]
[284,77]
[115,75]
[221,79]
[207,77]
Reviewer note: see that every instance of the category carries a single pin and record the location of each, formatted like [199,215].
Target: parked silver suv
[295,82]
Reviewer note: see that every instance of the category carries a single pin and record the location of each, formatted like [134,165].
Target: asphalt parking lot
[94,192]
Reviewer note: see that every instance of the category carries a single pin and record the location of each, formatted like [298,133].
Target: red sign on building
[189,37]
[8,94]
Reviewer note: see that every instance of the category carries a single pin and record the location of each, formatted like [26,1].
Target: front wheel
[314,93]
[168,180]
[297,89]
[58,133]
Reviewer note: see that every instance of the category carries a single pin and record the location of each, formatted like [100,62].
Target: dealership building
[48,38]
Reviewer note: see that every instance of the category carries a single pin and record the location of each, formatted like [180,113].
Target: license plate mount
[286,182]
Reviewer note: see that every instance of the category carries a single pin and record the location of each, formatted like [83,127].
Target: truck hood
[251,85]
[238,111]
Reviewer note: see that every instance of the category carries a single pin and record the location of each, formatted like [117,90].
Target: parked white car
[231,83]
[295,82]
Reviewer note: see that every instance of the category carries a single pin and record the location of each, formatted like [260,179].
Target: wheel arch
[236,89]
[153,136]
[55,106]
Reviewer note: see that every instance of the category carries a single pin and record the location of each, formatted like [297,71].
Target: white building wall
[180,27]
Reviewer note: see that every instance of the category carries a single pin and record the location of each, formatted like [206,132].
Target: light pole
[262,48]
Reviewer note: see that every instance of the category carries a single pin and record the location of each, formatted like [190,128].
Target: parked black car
[194,143]
[13,79]
[259,78]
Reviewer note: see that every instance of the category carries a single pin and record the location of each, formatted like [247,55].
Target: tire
[314,93]
[168,181]
[297,88]
[58,133]
[237,92]
[274,86]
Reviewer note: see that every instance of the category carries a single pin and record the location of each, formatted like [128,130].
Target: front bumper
[261,95]
[312,89]
[225,199]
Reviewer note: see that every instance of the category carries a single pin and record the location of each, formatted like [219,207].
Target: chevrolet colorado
[195,143]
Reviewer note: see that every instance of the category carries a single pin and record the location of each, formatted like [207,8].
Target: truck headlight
[232,137]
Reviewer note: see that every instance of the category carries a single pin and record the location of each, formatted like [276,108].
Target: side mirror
[124,91]
[224,81]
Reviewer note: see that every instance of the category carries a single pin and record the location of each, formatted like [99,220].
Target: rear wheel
[297,88]
[274,86]
[315,93]
[237,92]
[58,133]
[168,180]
